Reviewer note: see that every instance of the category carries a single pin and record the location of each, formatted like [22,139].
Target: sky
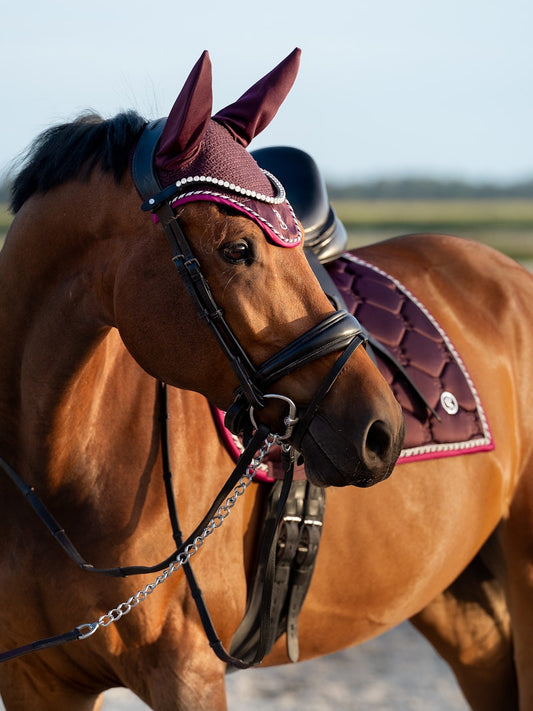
[386,88]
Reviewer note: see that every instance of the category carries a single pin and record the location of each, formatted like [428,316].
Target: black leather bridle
[339,331]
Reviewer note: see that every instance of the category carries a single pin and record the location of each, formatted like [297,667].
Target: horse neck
[55,324]
[79,418]
[77,413]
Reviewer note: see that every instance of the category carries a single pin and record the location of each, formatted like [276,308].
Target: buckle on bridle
[289,420]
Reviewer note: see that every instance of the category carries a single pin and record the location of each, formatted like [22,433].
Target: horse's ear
[250,114]
[189,117]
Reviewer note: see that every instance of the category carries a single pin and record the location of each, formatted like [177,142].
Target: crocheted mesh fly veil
[206,156]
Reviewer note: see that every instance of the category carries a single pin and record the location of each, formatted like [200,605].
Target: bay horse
[96,310]
[92,313]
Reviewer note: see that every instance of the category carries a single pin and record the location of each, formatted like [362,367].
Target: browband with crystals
[225,173]
[274,200]
[274,214]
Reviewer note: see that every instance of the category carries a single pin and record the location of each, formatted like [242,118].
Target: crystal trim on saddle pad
[396,318]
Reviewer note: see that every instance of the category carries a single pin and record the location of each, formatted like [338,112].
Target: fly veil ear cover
[206,156]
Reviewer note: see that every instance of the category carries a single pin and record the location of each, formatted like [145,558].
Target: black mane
[73,150]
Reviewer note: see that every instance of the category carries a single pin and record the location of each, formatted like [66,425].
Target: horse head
[238,245]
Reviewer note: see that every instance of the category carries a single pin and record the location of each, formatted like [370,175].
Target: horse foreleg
[469,626]
[179,673]
[193,691]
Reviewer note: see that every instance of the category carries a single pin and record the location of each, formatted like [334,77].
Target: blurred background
[418,113]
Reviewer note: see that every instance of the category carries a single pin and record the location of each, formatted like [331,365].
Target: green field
[5,220]
[502,223]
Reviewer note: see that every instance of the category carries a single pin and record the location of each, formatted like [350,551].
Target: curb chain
[124,608]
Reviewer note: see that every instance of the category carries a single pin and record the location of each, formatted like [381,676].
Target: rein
[64,541]
[238,481]
[338,331]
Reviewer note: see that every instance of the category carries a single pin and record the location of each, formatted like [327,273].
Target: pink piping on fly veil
[206,156]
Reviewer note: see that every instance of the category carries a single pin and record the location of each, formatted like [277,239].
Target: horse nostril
[379,440]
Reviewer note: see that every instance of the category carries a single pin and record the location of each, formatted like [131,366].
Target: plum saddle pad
[395,318]
[403,325]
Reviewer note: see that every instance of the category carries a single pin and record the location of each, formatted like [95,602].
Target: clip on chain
[85,630]
[114,615]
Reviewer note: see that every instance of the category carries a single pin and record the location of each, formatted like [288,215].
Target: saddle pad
[397,319]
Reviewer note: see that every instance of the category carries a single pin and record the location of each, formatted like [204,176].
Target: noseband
[339,331]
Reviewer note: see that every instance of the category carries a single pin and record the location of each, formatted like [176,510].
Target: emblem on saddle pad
[449,403]
[393,316]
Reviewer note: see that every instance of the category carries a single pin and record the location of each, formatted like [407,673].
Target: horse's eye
[239,252]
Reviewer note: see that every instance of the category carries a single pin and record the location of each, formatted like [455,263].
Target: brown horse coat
[91,309]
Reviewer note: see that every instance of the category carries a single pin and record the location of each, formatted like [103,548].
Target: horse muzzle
[360,450]
[366,458]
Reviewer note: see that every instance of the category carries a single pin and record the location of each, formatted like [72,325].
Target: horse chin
[332,460]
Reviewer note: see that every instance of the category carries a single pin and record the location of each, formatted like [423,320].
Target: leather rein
[242,469]
[338,331]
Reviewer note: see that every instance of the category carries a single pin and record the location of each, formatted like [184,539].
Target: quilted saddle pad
[404,326]
[401,324]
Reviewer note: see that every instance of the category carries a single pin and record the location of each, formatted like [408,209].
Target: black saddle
[325,234]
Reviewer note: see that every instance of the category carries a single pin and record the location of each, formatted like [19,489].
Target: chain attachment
[124,608]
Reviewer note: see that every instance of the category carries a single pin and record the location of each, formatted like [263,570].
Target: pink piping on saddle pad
[233,450]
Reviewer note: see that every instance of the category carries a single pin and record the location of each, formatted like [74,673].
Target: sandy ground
[396,672]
